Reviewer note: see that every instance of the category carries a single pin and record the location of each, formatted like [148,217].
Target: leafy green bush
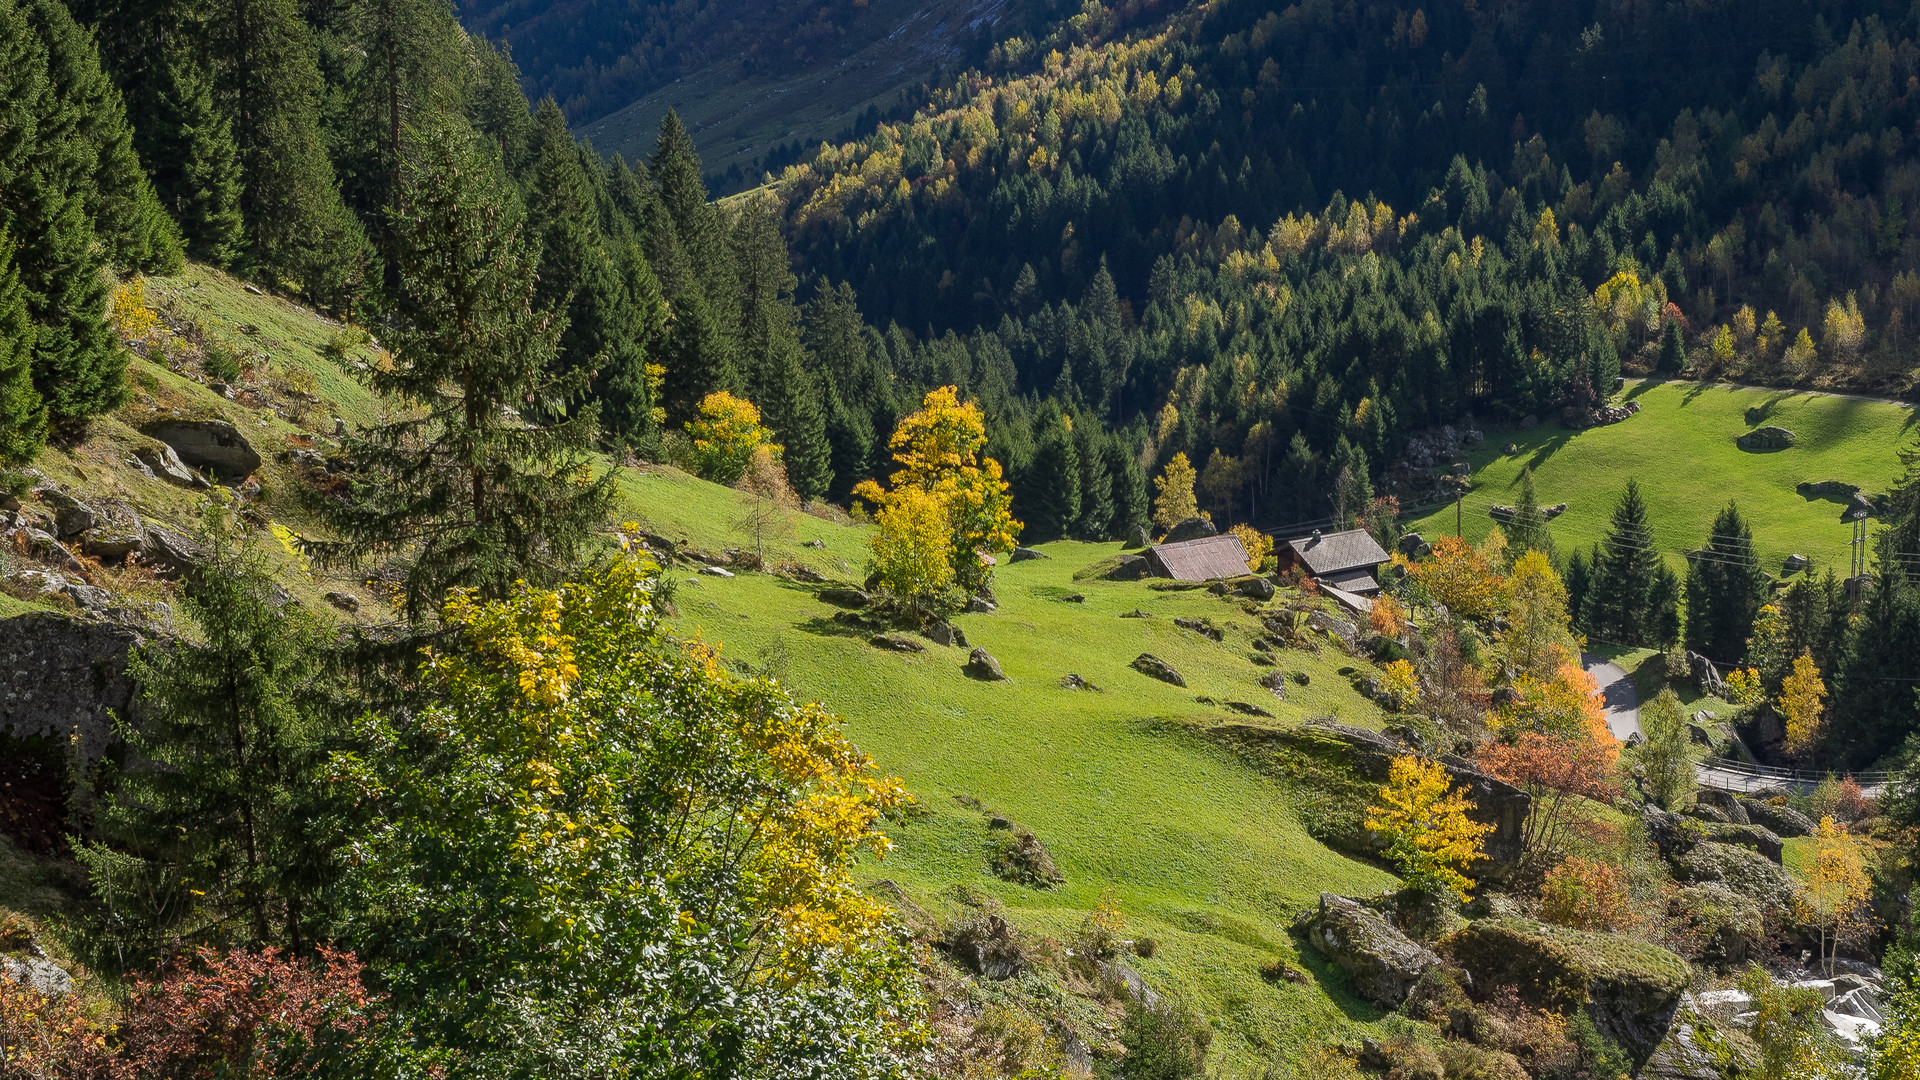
[1167,1042]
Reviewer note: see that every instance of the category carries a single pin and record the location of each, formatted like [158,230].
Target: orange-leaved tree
[938,451]
[1427,828]
[1566,704]
[1461,577]
[1557,771]
[1586,894]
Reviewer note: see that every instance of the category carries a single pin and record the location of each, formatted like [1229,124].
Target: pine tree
[1725,588]
[1527,531]
[472,495]
[198,176]
[47,170]
[1096,483]
[1673,349]
[23,419]
[1618,599]
[1048,496]
[497,106]
[120,201]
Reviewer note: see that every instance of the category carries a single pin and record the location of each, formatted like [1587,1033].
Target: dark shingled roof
[1332,553]
[1204,559]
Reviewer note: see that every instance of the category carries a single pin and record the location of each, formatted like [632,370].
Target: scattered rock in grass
[716,571]
[1277,970]
[165,464]
[941,632]
[1136,613]
[1075,682]
[1019,856]
[986,943]
[1203,627]
[209,444]
[846,598]
[999,821]
[1346,632]
[1261,659]
[1074,598]
[1027,554]
[1301,678]
[1275,681]
[1766,438]
[173,554]
[819,544]
[344,601]
[1139,537]
[980,605]
[1257,588]
[981,665]
[1383,962]
[1247,709]
[1149,664]
[896,643]
[71,517]
[1193,528]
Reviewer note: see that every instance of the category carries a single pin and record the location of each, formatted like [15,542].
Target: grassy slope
[1202,853]
[1681,449]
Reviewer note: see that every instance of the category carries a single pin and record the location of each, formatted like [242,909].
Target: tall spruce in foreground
[1527,531]
[462,488]
[1875,706]
[198,175]
[1725,588]
[1623,576]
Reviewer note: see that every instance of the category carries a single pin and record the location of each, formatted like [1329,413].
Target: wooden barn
[1342,560]
[1205,559]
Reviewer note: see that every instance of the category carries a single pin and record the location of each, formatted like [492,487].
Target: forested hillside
[1291,236]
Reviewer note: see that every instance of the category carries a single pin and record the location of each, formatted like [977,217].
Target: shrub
[219,363]
[1099,935]
[1586,895]
[1164,1043]
[1145,947]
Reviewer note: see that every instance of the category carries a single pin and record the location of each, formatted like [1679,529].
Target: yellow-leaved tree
[1837,896]
[1426,827]
[725,436]
[942,478]
[1460,576]
[1537,638]
[1801,704]
[556,877]
[1173,500]
[1259,546]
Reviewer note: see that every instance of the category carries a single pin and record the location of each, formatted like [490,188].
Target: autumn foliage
[1586,895]
[1426,827]
[1557,771]
[1461,577]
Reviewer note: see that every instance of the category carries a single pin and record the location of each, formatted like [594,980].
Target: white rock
[716,571]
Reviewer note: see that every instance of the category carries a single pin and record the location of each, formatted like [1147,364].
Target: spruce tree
[472,495]
[1096,482]
[47,173]
[297,228]
[23,419]
[1725,588]
[198,175]
[1661,625]
[1580,586]
[626,384]
[497,106]
[769,323]
[1132,507]
[1617,601]
[120,201]
[698,356]
[1874,701]
[699,229]
[1673,349]
[1527,531]
[795,412]
[1048,497]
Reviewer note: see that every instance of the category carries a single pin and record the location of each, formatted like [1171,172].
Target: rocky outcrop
[1746,873]
[165,464]
[1191,529]
[43,977]
[209,444]
[1706,677]
[171,553]
[1695,1049]
[1130,568]
[61,676]
[1631,989]
[1766,438]
[896,643]
[1784,820]
[1751,837]
[1254,588]
[987,944]
[116,533]
[1151,665]
[846,598]
[1382,962]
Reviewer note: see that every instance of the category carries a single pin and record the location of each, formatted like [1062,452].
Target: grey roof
[1331,553]
[1353,581]
[1204,559]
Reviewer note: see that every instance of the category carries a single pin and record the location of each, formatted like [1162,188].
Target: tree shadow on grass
[1545,451]
[828,626]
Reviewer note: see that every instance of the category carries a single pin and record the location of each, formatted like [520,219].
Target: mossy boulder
[1753,837]
[1745,872]
[1631,989]
[1731,928]
[1383,962]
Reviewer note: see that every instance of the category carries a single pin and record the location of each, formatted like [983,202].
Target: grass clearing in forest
[1681,450]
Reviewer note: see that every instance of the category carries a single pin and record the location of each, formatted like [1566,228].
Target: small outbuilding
[1206,559]
[1347,560]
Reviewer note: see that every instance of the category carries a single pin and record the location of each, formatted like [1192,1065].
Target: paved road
[1622,700]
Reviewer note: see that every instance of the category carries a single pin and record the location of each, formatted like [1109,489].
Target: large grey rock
[846,598]
[1149,664]
[896,643]
[1256,588]
[1795,563]
[1139,537]
[1348,633]
[1766,438]
[71,517]
[117,532]
[987,944]
[1726,802]
[1191,529]
[1783,820]
[1027,554]
[209,444]
[167,465]
[1706,677]
[62,676]
[981,665]
[173,554]
[43,977]
[1130,568]
[1382,962]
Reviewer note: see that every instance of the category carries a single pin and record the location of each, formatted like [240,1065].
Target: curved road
[1622,700]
